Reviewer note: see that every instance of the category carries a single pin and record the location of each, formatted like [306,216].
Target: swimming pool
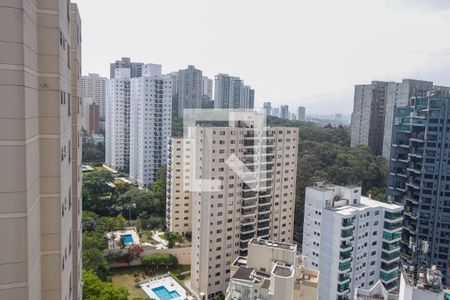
[127,239]
[163,293]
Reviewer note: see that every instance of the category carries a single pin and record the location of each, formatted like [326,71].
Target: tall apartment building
[150,123]
[249,97]
[301,113]
[40,151]
[85,113]
[178,203]
[190,89]
[419,179]
[76,197]
[352,240]
[368,115]
[267,108]
[284,112]
[174,77]
[373,110]
[207,88]
[117,122]
[94,86]
[228,92]
[223,221]
[126,63]
[271,271]
[276,112]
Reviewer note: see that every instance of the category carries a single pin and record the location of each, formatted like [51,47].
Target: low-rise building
[272,270]
[422,285]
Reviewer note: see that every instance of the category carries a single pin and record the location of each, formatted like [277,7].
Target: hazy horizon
[287,51]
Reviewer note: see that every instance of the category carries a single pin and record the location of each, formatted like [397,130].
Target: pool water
[164,294]
[127,239]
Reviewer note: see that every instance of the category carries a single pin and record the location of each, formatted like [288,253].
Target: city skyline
[313,76]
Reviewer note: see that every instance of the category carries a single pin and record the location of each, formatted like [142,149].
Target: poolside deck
[169,283]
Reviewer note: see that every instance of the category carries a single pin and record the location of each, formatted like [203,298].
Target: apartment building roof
[274,244]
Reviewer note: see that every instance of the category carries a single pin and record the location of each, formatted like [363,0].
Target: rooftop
[274,244]
[365,203]
[282,271]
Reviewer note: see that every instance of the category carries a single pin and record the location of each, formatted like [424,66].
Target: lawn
[125,277]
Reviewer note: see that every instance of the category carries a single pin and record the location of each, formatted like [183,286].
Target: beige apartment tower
[254,198]
[40,150]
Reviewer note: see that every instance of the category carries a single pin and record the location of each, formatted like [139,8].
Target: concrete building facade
[117,122]
[178,203]
[40,152]
[301,113]
[284,112]
[126,63]
[352,240]
[223,221]
[94,86]
[249,97]
[150,123]
[418,179]
[207,88]
[267,108]
[373,110]
[190,89]
[228,92]
[271,271]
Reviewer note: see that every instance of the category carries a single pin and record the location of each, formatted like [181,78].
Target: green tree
[219,296]
[96,191]
[96,289]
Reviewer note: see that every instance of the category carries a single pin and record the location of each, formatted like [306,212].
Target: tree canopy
[96,289]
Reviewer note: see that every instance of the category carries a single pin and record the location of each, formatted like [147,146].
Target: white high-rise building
[272,271]
[223,221]
[117,123]
[94,86]
[150,123]
[40,180]
[352,240]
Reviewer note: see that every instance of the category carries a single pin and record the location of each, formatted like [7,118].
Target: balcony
[343,278]
[392,226]
[390,257]
[390,247]
[343,288]
[393,216]
[387,277]
[346,246]
[345,266]
[345,255]
[392,236]
[346,233]
[347,223]
[389,267]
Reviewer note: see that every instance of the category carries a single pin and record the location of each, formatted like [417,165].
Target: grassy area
[125,277]
[145,237]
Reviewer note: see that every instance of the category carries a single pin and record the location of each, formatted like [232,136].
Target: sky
[294,52]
